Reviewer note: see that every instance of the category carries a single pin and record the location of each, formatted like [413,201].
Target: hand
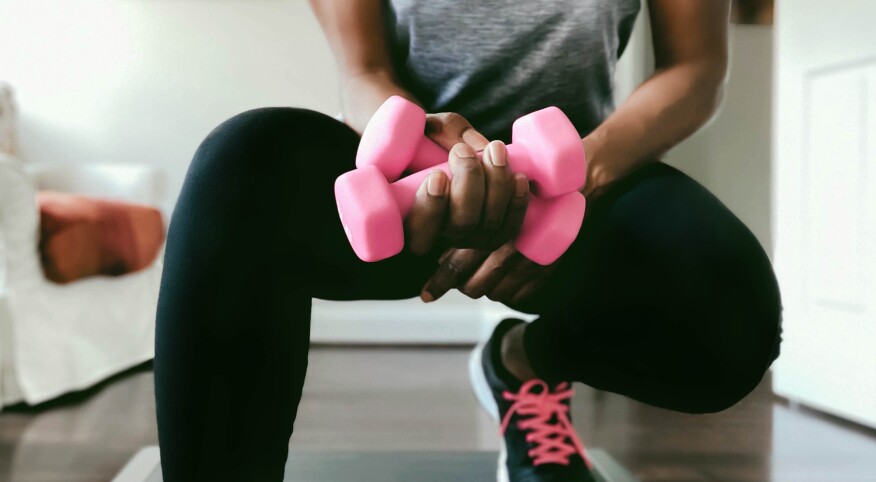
[484,204]
[502,275]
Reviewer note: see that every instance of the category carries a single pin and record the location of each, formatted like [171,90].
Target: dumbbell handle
[427,154]
[405,189]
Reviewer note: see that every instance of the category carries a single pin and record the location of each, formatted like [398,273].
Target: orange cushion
[83,236]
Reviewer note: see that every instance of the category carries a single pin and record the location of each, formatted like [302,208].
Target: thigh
[667,292]
[260,195]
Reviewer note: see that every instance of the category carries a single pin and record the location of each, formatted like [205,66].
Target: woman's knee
[240,173]
[728,392]
[259,138]
[748,333]
[741,360]
[262,157]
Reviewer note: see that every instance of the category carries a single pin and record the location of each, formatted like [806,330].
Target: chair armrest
[134,183]
[19,227]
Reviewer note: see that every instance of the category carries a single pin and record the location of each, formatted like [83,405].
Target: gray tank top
[496,60]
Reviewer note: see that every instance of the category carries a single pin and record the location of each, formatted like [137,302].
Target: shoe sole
[484,395]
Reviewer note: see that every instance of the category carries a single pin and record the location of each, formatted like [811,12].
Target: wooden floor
[385,399]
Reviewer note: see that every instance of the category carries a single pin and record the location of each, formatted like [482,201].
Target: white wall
[825,204]
[146,80]
[731,155]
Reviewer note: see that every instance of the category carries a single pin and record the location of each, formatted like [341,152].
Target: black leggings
[665,297]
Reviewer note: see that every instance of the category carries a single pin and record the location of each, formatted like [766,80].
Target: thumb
[449,128]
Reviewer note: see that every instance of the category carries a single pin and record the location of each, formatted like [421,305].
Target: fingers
[427,214]
[515,212]
[500,186]
[527,290]
[509,287]
[467,191]
[486,203]
[502,275]
[491,271]
[457,265]
[449,128]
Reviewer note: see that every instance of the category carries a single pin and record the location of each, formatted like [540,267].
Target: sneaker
[539,441]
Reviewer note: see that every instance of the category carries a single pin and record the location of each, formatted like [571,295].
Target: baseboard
[454,319]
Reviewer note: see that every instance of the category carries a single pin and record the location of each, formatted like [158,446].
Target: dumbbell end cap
[550,136]
[391,137]
[369,214]
[550,227]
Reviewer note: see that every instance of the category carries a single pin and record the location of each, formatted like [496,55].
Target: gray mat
[380,467]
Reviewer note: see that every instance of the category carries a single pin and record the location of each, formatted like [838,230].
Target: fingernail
[436,184]
[497,154]
[464,150]
[426,297]
[475,138]
[486,155]
[520,186]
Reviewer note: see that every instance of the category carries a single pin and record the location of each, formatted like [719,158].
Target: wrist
[362,94]
[597,174]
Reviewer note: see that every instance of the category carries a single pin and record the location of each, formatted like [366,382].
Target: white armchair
[59,338]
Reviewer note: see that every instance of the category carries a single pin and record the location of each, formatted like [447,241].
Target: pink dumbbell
[372,212]
[546,147]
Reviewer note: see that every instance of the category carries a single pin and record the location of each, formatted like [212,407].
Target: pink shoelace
[551,439]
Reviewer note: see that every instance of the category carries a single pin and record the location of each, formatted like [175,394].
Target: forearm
[356,35]
[670,106]
[362,94]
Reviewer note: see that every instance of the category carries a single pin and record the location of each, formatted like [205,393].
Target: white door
[825,203]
